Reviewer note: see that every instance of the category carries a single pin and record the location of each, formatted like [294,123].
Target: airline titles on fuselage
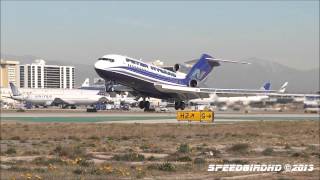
[143,66]
[43,96]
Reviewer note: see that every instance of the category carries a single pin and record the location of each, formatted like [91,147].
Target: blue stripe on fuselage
[154,75]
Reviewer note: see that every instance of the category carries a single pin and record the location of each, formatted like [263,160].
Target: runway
[129,117]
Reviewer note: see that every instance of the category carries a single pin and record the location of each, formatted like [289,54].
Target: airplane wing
[194,93]
[184,92]
[294,95]
[247,92]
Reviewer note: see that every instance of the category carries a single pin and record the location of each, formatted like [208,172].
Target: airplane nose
[98,65]
[99,68]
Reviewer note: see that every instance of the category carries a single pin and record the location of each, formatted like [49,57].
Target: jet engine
[181,68]
[193,83]
[176,67]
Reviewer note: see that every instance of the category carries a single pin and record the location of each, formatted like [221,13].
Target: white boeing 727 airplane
[148,80]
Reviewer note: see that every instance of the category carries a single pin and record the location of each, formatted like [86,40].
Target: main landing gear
[179,105]
[144,105]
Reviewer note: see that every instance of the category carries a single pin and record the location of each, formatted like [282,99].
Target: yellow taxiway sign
[207,116]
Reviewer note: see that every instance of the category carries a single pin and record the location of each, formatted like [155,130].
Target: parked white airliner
[78,97]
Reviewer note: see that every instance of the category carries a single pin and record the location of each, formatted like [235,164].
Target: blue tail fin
[14,89]
[200,69]
[266,86]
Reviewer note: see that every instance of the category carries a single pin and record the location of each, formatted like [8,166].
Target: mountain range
[225,76]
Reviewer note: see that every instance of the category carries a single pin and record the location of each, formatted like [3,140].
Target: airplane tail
[202,68]
[14,90]
[266,86]
[283,88]
[86,83]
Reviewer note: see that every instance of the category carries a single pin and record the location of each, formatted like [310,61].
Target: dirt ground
[155,151]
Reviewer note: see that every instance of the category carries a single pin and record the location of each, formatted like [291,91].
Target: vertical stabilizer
[266,86]
[14,90]
[86,83]
[283,87]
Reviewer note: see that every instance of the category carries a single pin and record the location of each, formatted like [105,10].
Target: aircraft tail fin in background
[283,88]
[266,86]
[86,83]
[14,90]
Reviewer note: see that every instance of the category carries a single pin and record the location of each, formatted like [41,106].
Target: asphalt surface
[140,117]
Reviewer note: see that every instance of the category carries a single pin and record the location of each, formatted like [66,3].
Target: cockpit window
[106,59]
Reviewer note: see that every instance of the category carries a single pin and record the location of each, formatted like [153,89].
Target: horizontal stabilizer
[228,61]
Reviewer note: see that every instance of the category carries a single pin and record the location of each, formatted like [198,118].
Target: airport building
[40,75]
[9,72]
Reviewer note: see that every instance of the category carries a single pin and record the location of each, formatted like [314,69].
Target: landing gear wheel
[182,105]
[177,105]
[141,104]
[146,105]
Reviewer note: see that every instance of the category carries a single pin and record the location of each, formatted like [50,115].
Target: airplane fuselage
[47,99]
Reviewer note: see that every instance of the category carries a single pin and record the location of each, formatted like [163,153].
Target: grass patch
[268,151]
[240,148]
[69,151]
[94,137]
[184,148]
[17,138]
[30,153]
[300,154]
[167,166]
[79,171]
[234,161]
[151,158]
[145,147]
[11,151]
[287,146]
[45,162]
[74,138]
[18,169]
[199,160]
[182,157]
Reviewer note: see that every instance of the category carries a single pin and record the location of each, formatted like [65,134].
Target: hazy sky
[283,31]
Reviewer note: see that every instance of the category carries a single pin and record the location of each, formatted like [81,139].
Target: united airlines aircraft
[148,80]
[71,97]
